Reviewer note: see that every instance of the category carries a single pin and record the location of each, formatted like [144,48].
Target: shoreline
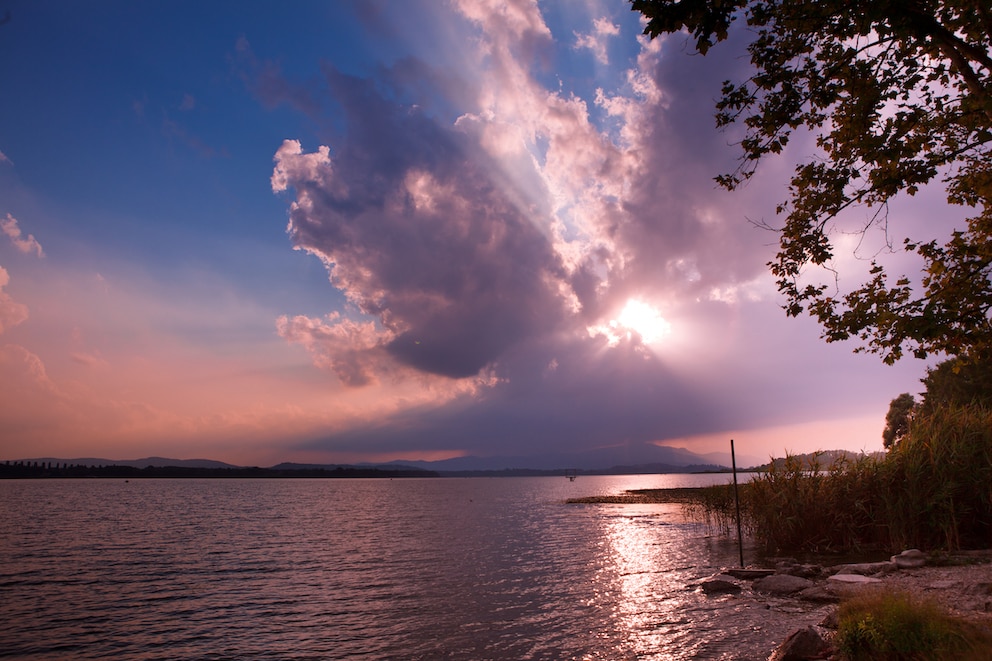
[959,582]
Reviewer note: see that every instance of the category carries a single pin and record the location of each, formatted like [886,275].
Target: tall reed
[938,491]
[932,491]
[804,507]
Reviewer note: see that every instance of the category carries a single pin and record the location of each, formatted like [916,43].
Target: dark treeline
[19,469]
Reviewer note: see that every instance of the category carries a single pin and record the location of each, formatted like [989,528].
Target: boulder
[866,568]
[718,585]
[782,584]
[910,559]
[853,579]
[782,564]
[804,571]
[802,645]
[749,574]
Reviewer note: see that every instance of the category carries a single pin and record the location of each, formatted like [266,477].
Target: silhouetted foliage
[959,381]
[897,419]
[899,95]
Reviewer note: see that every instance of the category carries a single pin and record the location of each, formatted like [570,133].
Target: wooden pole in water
[737,503]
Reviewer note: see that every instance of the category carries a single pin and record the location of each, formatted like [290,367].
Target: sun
[636,318]
[645,320]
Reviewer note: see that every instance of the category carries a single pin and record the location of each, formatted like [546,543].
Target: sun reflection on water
[651,571]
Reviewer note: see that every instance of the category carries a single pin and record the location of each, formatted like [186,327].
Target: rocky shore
[798,600]
[805,595]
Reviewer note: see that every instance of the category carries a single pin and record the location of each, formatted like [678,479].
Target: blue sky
[336,231]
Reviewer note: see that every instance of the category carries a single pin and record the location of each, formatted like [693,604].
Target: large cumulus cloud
[418,234]
[496,240]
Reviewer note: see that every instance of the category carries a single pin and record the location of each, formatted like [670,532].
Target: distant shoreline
[66,470]
[130,472]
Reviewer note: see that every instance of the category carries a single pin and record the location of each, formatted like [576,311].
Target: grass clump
[892,626]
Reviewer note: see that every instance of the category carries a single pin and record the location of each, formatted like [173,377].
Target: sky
[369,230]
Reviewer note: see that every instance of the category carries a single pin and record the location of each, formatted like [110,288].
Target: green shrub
[891,626]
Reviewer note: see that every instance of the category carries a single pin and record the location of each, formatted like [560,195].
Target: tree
[958,382]
[898,93]
[897,419]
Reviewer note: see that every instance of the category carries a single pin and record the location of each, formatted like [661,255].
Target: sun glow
[637,317]
[644,320]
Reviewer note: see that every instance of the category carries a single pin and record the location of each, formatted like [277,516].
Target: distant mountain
[136,463]
[646,457]
[392,466]
[619,459]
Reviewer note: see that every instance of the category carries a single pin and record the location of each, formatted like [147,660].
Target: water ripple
[354,569]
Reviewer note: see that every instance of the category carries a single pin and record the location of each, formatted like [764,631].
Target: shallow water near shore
[448,568]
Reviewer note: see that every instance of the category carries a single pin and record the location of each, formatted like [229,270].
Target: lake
[444,568]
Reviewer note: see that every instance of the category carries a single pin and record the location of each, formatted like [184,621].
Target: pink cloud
[90,360]
[355,352]
[293,165]
[13,232]
[11,312]
[17,359]
[596,40]
[516,19]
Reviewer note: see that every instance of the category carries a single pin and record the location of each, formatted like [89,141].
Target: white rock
[853,578]
[866,568]
[910,559]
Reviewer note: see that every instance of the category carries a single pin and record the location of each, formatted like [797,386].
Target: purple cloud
[417,233]
[26,244]
[511,238]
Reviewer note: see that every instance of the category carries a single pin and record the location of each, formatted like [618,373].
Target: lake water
[448,568]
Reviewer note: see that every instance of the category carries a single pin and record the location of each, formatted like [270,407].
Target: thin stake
[737,503]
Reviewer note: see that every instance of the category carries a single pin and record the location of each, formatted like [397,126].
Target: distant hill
[135,463]
[97,468]
[632,458]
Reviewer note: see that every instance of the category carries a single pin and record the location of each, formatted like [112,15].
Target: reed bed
[939,481]
[933,490]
